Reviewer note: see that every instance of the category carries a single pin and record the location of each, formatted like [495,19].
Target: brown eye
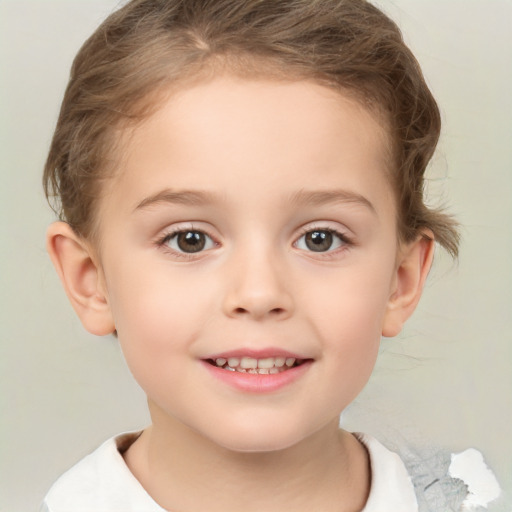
[189,241]
[318,241]
[321,240]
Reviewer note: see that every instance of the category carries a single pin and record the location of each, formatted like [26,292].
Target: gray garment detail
[436,490]
[428,466]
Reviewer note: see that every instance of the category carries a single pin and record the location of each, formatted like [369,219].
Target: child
[240,188]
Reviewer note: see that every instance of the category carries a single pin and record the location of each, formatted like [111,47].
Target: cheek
[348,316]
[354,302]
[156,316]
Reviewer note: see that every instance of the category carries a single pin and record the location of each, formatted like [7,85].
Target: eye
[321,240]
[188,241]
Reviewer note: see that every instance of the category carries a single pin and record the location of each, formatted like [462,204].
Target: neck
[328,471]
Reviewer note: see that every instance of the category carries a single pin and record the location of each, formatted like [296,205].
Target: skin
[262,155]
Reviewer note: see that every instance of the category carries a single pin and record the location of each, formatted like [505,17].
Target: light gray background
[447,379]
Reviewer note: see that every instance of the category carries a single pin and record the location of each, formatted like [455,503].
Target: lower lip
[258,383]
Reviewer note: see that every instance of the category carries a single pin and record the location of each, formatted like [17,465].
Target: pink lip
[256,383]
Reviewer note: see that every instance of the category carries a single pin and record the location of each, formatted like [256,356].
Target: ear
[81,277]
[413,264]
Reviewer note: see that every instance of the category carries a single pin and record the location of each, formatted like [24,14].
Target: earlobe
[81,278]
[413,266]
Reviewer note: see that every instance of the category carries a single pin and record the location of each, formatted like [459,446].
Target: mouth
[261,366]
[258,371]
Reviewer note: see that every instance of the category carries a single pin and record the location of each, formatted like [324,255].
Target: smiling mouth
[263,366]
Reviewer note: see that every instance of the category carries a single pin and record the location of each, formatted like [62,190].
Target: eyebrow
[322,197]
[302,198]
[184,197]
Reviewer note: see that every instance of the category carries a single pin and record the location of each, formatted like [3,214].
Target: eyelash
[168,236]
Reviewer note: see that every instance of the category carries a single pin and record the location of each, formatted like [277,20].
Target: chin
[259,440]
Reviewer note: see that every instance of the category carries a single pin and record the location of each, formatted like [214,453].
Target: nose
[258,287]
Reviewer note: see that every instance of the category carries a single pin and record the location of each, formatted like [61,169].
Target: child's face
[286,246]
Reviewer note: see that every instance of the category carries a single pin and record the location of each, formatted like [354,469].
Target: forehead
[256,136]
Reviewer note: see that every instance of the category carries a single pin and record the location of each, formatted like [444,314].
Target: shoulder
[101,482]
[451,481]
[442,481]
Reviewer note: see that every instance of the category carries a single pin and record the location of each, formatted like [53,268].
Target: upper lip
[256,353]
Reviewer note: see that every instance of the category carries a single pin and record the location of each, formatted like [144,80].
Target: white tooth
[290,361]
[263,371]
[233,362]
[220,361]
[229,369]
[241,370]
[248,362]
[274,370]
[252,370]
[279,362]
[266,363]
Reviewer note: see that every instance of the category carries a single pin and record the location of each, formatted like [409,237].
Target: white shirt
[391,486]
[102,482]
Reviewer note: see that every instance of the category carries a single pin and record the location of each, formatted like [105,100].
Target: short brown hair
[149,45]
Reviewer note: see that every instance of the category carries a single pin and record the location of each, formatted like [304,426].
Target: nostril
[259,307]
[273,312]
